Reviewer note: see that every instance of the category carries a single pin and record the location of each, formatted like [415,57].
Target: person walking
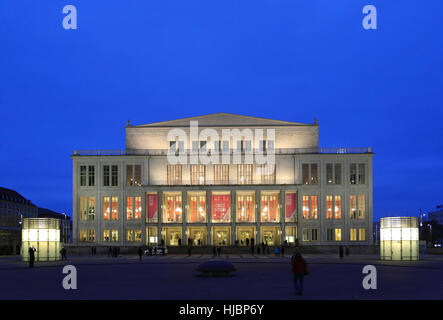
[219,250]
[299,270]
[189,249]
[140,254]
[31,257]
[63,253]
[214,251]
[282,251]
[340,252]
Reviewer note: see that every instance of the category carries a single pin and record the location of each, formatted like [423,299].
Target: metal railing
[164,152]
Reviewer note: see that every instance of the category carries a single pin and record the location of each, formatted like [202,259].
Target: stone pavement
[257,277]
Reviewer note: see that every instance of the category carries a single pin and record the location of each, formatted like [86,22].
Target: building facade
[301,194]
[13,208]
[437,215]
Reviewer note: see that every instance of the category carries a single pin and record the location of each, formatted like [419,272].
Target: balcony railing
[164,152]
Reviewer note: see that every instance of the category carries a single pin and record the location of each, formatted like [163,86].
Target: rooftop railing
[164,152]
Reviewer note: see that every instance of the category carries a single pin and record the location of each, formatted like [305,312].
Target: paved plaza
[257,277]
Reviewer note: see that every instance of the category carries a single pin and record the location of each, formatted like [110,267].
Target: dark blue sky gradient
[151,61]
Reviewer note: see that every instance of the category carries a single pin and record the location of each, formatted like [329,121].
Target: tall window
[133,175]
[353,205]
[197,208]
[357,173]
[353,234]
[172,208]
[310,207]
[361,234]
[268,174]
[333,207]
[87,176]
[133,208]
[106,235]
[244,173]
[110,176]
[337,234]
[361,206]
[198,174]
[309,234]
[334,234]
[83,235]
[221,174]
[333,173]
[91,235]
[245,207]
[174,173]
[269,208]
[110,208]
[309,173]
[114,235]
[87,208]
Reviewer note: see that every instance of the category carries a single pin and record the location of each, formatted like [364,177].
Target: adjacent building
[301,194]
[437,215]
[13,208]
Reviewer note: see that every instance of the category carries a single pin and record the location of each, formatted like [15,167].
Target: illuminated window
[244,173]
[361,206]
[198,174]
[83,235]
[172,207]
[83,208]
[114,235]
[267,174]
[361,234]
[174,173]
[337,208]
[314,207]
[221,174]
[220,206]
[305,203]
[91,235]
[197,207]
[129,235]
[133,208]
[353,234]
[333,207]
[309,173]
[353,207]
[337,234]
[106,208]
[114,215]
[106,236]
[329,206]
[138,235]
[133,175]
[245,207]
[270,208]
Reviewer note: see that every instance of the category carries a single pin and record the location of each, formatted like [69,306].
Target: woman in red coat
[299,270]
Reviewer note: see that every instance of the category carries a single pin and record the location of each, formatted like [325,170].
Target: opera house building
[223,180]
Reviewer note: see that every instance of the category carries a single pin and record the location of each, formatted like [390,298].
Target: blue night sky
[151,61]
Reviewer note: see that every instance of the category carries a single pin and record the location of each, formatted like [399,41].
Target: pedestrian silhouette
[340,252]
[140,254]
[31,257]
[299,270]
[63,253]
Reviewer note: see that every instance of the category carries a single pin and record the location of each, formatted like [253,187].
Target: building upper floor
[222,149]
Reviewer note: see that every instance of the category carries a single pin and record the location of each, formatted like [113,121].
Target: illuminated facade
[315,196]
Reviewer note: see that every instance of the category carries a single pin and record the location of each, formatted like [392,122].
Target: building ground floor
[225,235]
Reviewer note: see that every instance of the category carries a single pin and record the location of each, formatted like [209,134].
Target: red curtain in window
[291,205]
[221,207]
[152,205]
